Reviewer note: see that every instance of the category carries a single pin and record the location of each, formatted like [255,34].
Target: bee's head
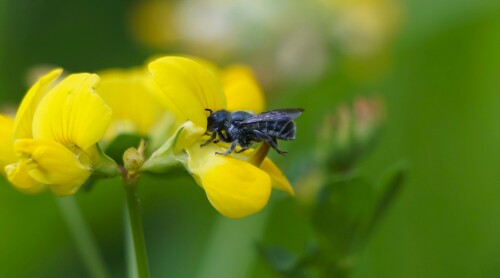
[217,120]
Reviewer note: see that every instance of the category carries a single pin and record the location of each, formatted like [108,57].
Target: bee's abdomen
[279,130]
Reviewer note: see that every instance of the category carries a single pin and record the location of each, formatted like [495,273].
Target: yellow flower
[55,134]
[364,27]
[130,94]
[236,185]
[241,89]
[7,155]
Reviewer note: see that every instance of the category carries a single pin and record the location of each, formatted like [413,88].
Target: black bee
[244,128]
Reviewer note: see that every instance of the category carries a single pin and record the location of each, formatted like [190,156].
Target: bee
[244,128]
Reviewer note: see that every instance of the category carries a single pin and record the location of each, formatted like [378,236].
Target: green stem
[129,247]
[82,236]
[137,232]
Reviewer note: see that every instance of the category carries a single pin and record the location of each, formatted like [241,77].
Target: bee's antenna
[209,110]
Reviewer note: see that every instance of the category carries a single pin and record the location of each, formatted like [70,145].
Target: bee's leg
[274,144]
[223,137]
[242,150]
[270,141]
[231,149]
[212,138]
[244,146]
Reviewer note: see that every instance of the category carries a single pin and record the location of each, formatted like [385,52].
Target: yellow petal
[18,175]
[208,65]
[52,164]
[258,157]
[7,155]
[242,90]
[72,113]
[235,188]
[280,182]
[190,86]
[24,117]
[129,94]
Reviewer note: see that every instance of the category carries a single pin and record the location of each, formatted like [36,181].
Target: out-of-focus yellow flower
[285,41]
[236,185]
[7,155]
[152,22]
[241,88]
[364,26]
[130,94]
[55,134]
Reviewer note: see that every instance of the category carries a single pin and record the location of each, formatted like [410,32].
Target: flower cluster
[55,139]
[54,134]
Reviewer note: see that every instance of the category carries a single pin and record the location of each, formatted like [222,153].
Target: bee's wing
[274,116]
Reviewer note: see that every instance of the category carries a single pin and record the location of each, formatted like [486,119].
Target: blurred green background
[440,78]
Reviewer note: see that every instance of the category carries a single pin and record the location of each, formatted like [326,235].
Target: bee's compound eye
[210,120]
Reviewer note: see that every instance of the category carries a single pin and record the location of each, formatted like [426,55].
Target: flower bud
[369,115]
[133,158]
[349,132]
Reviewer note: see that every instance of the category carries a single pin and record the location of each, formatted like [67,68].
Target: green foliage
[346,209]
[342,213]
[389,185]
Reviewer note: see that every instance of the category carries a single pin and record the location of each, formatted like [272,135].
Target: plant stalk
[82,236]
[135,226]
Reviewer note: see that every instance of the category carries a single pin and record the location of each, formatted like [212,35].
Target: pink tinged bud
[343,126]
[369,114]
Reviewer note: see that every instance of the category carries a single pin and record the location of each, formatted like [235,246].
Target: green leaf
[390,184]
[345,206]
